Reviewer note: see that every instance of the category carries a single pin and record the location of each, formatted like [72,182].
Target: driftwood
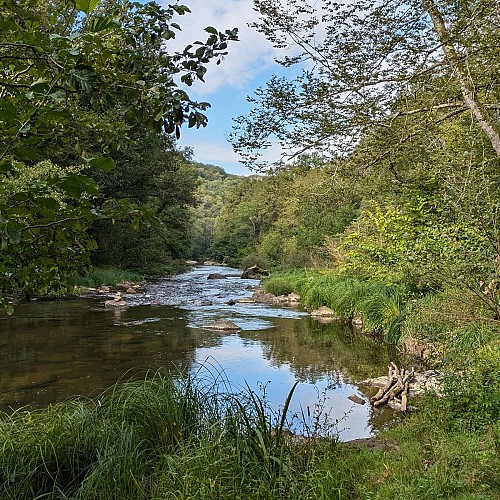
[398,383]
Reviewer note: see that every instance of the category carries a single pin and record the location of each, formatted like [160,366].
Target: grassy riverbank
[163,438]
[109,276]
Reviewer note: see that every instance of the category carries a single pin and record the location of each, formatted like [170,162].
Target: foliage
[381,307]
[147,439]
[474,396]
[213,190]
[363,65]
[283,219]
[45,213]
[158,178]
[77,83]
[111,276]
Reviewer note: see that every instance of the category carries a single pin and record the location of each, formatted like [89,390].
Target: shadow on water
[53,350]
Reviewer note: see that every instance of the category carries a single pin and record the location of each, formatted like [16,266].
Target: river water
[53,350]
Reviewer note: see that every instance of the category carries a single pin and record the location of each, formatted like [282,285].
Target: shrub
[473,393]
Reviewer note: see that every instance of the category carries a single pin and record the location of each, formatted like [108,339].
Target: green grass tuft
[110,276]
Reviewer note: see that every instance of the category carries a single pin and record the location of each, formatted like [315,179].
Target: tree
[366,63]
[80,75]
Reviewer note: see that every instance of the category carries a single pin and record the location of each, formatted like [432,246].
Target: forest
[384,206]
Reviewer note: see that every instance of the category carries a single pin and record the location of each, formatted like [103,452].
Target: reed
[180,438]
[381,307]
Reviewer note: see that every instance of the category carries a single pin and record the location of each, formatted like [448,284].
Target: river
[53,350]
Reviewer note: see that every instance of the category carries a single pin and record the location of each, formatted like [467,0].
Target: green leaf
[86,6]
[101,24]
[210,29]
[103,163]
[10,309]
[82,77]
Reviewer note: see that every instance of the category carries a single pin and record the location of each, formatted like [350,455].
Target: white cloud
[208,152]
[252,55]
[222,154]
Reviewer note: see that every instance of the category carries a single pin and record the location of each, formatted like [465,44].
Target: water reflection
[53,350]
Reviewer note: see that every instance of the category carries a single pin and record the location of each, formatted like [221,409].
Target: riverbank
[170,438]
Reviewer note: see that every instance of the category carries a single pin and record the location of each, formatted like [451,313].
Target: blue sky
[248,65]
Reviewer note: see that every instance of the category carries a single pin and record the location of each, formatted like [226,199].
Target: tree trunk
[479,113]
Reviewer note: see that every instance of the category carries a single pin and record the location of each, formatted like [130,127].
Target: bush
[473,393]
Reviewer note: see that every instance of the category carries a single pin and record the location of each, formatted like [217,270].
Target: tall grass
[381,307]
[148,439]
[111,276]
[177,438]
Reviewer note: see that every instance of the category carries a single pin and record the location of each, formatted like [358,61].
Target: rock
[357,323]
[231,302]
[245,301]
[324,312]
[206,303]
[356,399]
[281,299]
[254,272]
[104,289]
[375,382]
[215,276]
[263,298]
[130,290]
[223,325]
[211,263]
[191,262]
[294,297]
[115,303]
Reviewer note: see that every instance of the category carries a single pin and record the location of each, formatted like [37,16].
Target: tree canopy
[78,80]
[369,64]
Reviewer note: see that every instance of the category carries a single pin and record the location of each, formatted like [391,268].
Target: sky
[249,64]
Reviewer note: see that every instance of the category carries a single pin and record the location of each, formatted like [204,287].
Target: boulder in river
[116,302]
[262,297]
[255,273]
[215,276]
[324,312]
[222,325]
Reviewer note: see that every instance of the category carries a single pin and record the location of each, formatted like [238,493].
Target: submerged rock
[215,276]
[222,325]
[115,303]
[356,399]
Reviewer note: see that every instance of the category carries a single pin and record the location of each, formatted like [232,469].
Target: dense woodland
[385,204]
[91,106]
